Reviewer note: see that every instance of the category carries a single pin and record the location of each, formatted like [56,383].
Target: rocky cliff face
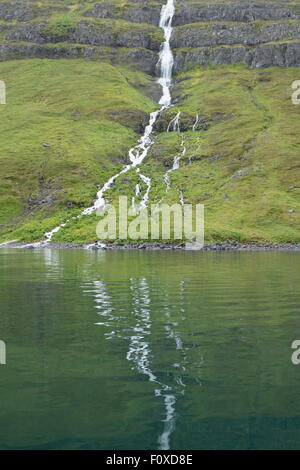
[257,33]
[243,11]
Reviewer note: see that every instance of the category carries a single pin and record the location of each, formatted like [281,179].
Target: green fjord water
[149,350]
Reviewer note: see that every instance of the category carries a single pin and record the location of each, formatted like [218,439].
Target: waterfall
[147,181]
[196,122]
[176,166]
[138,153]
[181,198]
[175,123]
[166,59]
[137,192]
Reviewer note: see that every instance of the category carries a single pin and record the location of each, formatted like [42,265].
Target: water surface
[149,350]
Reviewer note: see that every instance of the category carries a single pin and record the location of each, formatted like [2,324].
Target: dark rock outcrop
[85,33]
[133,118]
[241,11]
[149,14]
[144,14]
[136,14]
[16,11]
[286,55]
[143,59]
[102,10]
[228,34]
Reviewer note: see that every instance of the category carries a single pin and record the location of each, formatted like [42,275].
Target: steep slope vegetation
[66,127]
[68,124]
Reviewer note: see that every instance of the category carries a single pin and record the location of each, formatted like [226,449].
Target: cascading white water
[196,122]
[166,59]
[174,124]
[137,192]
[176,166]
[147,181]
[138,153]
[181,198]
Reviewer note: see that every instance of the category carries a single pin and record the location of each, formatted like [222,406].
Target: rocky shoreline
[225,246]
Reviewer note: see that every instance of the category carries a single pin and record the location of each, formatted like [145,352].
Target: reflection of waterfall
[139,350]
[140,353]
[138,330]
[179,388]
[51,258]
[103,303]
[170,422]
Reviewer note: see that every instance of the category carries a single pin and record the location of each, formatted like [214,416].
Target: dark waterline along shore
[225,246]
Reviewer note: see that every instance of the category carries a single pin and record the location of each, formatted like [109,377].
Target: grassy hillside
[80,95]
[245,166]
[68,125]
